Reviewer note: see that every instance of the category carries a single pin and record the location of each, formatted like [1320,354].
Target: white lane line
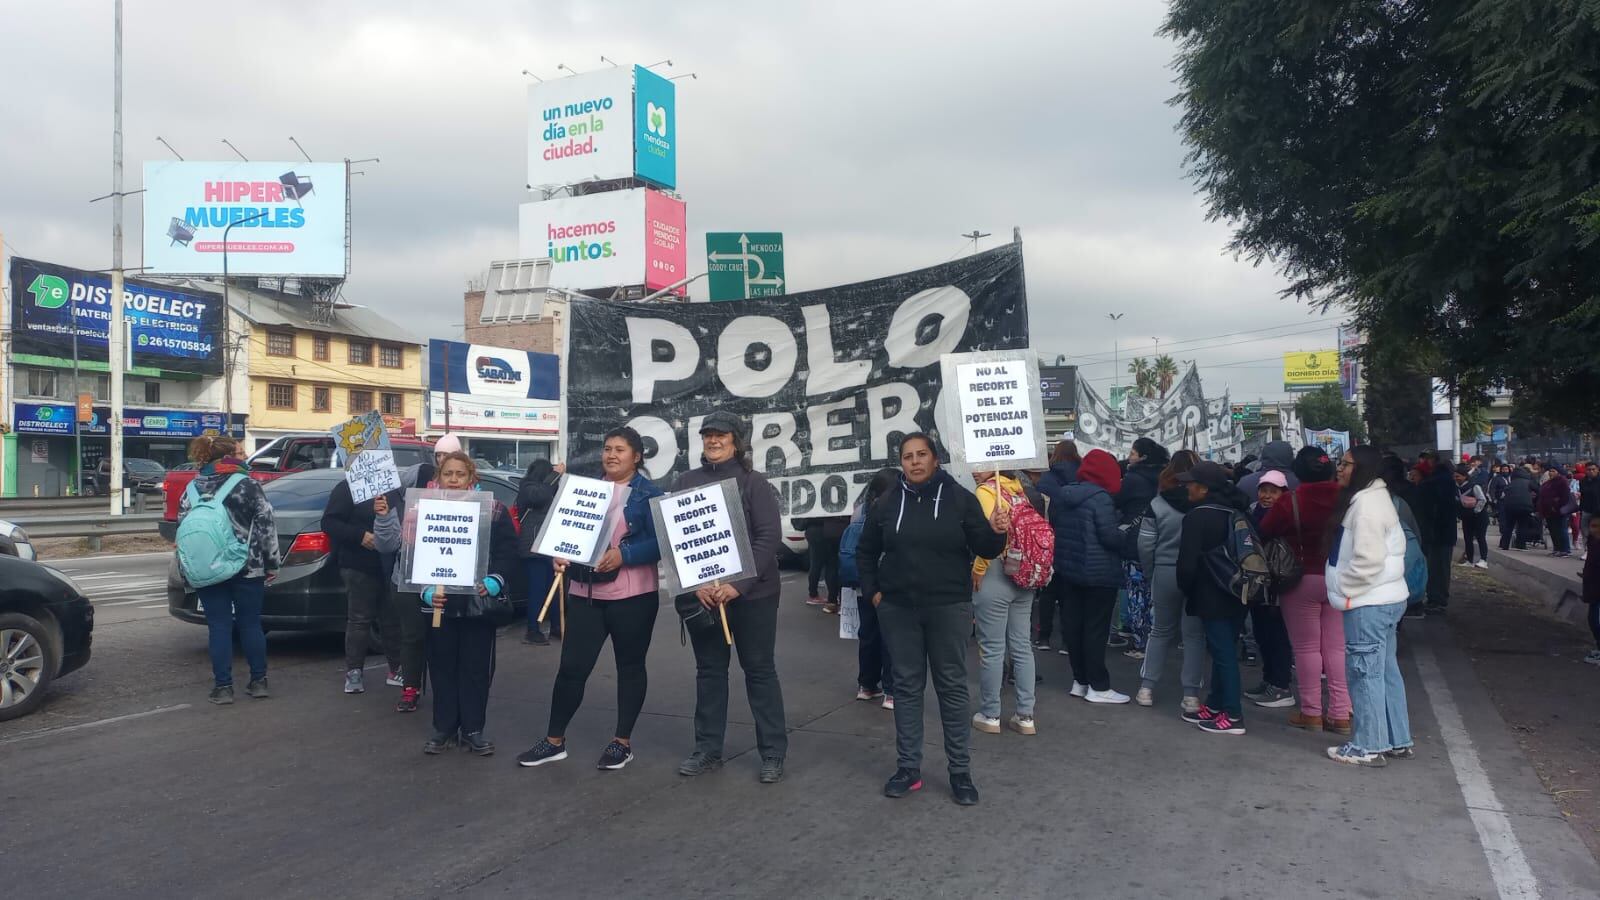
[97,577]
[44,732]
[127,602]
[154,606]
[1508,865]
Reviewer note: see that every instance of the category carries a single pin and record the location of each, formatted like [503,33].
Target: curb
[1561,594]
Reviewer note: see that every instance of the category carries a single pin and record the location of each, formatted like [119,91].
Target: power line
[1189,350]
[1100,357]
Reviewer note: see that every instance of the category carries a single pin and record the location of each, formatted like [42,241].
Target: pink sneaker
[815,601]
[888,702]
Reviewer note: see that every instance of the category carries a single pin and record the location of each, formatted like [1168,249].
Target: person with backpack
[1266,618]
[1216,537]
[534,496]
[915,559]
[1316,631]
[227,549]
[1516,508]
[751,607]
[1366,581]
[1089,548]
[1002,597]
[874,666]
[348,526]
[616,598]
[1474,515]
[1159,537]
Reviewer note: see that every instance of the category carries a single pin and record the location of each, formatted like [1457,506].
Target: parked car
[294,453]
[143,476]
[46,625]
[308,594]
[14,542]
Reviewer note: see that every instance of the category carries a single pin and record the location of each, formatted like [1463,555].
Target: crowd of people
[1303,563]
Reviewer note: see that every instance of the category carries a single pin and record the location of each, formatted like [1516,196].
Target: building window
[390,356]
[393,404]
[319,347]
[321,398]
[98,385]
[41,383]
[360,353]
[280,396]
[360,402]
[152,392]
[280,343]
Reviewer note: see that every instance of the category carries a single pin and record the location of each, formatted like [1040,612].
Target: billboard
[167,328]
[61,419]
[744,264]
[1058,388]
[581,128]
[493,388]
[1350,341]
[300,229]
[655,128]
[607,239]
[1309,371]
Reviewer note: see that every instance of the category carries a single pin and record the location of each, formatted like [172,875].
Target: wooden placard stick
[550,595]
[438,609]
[722,608]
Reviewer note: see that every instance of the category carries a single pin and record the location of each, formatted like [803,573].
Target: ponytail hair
[208,448]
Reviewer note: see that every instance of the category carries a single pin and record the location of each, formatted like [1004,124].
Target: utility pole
[117,327]
[973,236]
[227,331]
[1116,363]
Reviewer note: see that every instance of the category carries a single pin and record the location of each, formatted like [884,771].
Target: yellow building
[307,375]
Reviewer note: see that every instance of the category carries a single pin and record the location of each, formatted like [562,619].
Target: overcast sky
[872,134]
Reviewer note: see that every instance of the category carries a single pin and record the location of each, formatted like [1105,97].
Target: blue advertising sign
[43,418]
[167,328]
[655,128]
[59,418]
[478,370]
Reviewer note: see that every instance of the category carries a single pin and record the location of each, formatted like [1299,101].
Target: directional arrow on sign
[744,257]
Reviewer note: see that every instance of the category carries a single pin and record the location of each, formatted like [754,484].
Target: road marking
[126,602]
[29,735]
[153,606]
[1513,878]
[98,576]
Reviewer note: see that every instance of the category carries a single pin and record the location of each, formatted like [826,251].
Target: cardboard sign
[582,519]
[362,445]
[999,410]
[364,432]
[703,535]
[448,549]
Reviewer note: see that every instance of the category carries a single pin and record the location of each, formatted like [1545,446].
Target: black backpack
[1237,565]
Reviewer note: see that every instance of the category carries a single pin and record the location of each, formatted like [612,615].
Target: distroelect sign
[300,229]
[167,328]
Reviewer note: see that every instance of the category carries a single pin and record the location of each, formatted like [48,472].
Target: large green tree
[1325,407]
[1431,166]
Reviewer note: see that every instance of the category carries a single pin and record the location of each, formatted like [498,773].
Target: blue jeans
[235,601]
[1377,692]
[540,575]
[1222,639]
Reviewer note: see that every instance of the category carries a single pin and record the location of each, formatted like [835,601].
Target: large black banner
[825,381]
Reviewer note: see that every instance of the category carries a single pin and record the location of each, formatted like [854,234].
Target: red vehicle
[294,453]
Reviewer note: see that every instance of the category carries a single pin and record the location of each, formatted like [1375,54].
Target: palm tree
[1165,372]
[1143,378]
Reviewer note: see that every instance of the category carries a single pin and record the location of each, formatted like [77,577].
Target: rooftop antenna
[560,66]
[533,76]
[665,62]
[236,150]
[300,148]
[169,147]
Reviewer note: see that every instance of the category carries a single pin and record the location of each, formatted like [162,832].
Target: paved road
[129,783]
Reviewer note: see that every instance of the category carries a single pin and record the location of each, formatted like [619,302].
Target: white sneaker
[1079,689]
[1481,564]
[985,724]
[1593,658]
[1191,705]
[1106,696]
[1144,697]
[1023,724]
[888,702]
[352,682]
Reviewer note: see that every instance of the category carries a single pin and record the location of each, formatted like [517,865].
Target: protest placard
[998,411]
[703,536]
[363,432]
[362,445]
[445,541]
[582,519]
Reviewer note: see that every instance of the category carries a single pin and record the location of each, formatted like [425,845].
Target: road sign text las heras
[744,264]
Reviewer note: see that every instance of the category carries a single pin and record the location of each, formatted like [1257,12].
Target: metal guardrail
[12,508]
[74,526]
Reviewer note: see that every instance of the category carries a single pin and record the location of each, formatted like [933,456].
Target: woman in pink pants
[1316,629]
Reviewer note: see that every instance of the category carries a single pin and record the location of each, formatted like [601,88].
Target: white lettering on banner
[945,309]
[997,423]
[446,551]
[830,422]
[699,529]
[827,373]
[643,336]
[774,431]
[576,523]
[748,335]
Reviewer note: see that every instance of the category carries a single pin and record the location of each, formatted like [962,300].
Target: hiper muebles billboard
[300,229]
[608,239]
[493,388]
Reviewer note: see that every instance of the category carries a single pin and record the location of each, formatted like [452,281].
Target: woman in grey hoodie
[1159,535]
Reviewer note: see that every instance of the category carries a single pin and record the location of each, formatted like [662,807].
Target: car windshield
[412,454]
[143,465]
[303,490]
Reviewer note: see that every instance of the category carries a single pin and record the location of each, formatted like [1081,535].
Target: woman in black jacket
[534,496]
[751,606]
[1209,525]
[915,560]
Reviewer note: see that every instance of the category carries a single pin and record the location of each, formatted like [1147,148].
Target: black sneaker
[699,763]
[1416,611]
[963,791]
[615,756]
[903,782]
[771,770]
[1257,692]
[221,695]
[257,688]
[1274,697]
[440,741]
[535,636]
[1221,723]
[477,743]
[541,753]
[1202,714]
[1434,609]
[1116,641]
[1402,753]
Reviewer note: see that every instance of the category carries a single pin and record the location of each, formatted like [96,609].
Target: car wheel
[27,664]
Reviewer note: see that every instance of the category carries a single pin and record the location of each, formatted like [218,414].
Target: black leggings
[629,623]
[1594,623]
[1475,528]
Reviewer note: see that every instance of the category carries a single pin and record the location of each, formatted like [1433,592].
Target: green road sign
[744,264]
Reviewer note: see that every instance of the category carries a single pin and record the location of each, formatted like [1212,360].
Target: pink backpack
[1031,550]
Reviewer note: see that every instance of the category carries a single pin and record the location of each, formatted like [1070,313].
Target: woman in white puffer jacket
[1366,579]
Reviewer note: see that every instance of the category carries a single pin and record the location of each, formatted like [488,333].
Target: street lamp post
[1116,362]
[227,331]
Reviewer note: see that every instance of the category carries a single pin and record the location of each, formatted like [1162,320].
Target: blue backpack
[848,574]
[1416,562]
[209,550]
